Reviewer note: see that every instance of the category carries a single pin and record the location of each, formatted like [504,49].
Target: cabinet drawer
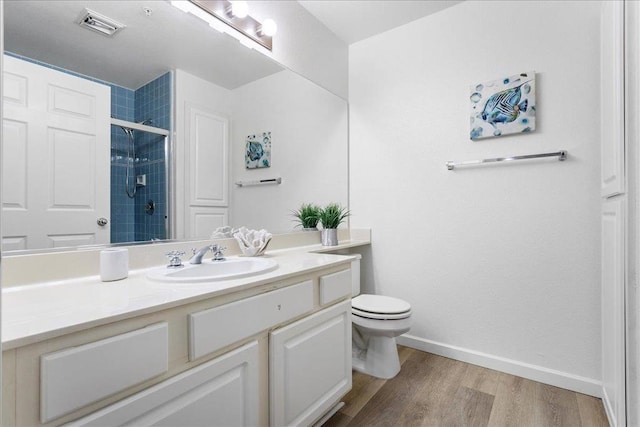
[335,286]
[221,392]
[78,376]
[213,329]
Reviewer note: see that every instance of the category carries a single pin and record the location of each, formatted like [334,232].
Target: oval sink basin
[209,271]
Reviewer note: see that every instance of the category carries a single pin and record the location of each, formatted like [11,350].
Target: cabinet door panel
[75,377]
[310,366]
[222,392]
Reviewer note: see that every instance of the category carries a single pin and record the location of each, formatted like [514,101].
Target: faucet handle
[218,254]
[174,258]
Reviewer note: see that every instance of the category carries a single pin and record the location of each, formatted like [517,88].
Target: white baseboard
[537,373]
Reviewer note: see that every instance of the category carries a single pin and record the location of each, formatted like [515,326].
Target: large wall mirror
[114,147]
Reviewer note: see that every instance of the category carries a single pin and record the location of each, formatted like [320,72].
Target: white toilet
[377,321]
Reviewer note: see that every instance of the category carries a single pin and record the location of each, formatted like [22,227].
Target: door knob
[102,221]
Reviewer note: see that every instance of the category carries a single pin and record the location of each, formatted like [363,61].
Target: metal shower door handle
[102,221]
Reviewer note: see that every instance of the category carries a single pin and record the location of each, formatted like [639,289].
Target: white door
[613,176]
[208,171]
[613,320]
[55,158]
[222,392]
[612,99]
[310,366]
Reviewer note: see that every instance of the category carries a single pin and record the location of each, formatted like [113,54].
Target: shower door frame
[168,196]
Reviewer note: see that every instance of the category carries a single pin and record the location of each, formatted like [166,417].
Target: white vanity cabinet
[310,366]
[222,392]
[272,354]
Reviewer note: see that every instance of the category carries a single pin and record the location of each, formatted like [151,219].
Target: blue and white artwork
[504,106]
[258,154]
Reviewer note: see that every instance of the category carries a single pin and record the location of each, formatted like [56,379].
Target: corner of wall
[304,45]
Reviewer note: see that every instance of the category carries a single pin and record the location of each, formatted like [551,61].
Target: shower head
[127,130]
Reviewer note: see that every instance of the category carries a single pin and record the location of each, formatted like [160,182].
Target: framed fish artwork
[504,106]
[258,151]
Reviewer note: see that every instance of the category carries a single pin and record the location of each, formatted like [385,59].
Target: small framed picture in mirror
[258,151]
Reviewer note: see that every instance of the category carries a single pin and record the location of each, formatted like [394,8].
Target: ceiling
[148,47]
[355,20]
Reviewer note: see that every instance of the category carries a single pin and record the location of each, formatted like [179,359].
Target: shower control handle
[102,221]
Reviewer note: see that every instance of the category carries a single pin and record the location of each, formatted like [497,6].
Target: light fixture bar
[247,25]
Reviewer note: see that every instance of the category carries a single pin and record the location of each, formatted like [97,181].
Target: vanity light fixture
[99,23]
[239,9]
[268,27]
[235,15]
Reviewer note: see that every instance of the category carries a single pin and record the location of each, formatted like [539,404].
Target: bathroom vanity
[272,349]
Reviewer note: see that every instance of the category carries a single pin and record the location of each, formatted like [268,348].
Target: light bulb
[269,27]
[239,9]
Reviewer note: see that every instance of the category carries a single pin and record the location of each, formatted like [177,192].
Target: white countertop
[36,312]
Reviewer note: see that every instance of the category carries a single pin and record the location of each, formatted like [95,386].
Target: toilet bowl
[377,320]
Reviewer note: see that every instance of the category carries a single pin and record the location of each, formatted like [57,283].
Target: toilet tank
[355,277]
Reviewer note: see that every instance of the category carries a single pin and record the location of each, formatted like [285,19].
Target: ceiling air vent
[99,23]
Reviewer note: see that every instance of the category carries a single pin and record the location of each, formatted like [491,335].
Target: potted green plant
[307,216]
[331,217]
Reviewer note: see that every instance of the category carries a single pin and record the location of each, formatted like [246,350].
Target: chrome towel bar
[561,155]
[260,182]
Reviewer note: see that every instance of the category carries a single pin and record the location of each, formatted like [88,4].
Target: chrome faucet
[217,250]
[197,255]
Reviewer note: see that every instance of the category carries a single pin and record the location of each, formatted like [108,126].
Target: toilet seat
[380,307]
[379,316]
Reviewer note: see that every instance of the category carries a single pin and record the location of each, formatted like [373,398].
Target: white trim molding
[632,144]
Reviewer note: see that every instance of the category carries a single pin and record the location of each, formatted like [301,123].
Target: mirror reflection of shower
[131,152]
[139,180]
[130,179]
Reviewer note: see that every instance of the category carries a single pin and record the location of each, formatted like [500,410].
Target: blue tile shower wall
[153,102]
[129,220]
[122,206]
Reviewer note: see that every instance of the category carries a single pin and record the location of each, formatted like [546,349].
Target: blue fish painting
[258,151]
[254,150]
[505,106]
[509,107]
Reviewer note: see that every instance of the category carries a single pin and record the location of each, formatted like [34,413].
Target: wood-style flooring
[432,390]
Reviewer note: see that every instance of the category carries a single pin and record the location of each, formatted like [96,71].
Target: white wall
[305,45]
[308,128]
[501,263]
